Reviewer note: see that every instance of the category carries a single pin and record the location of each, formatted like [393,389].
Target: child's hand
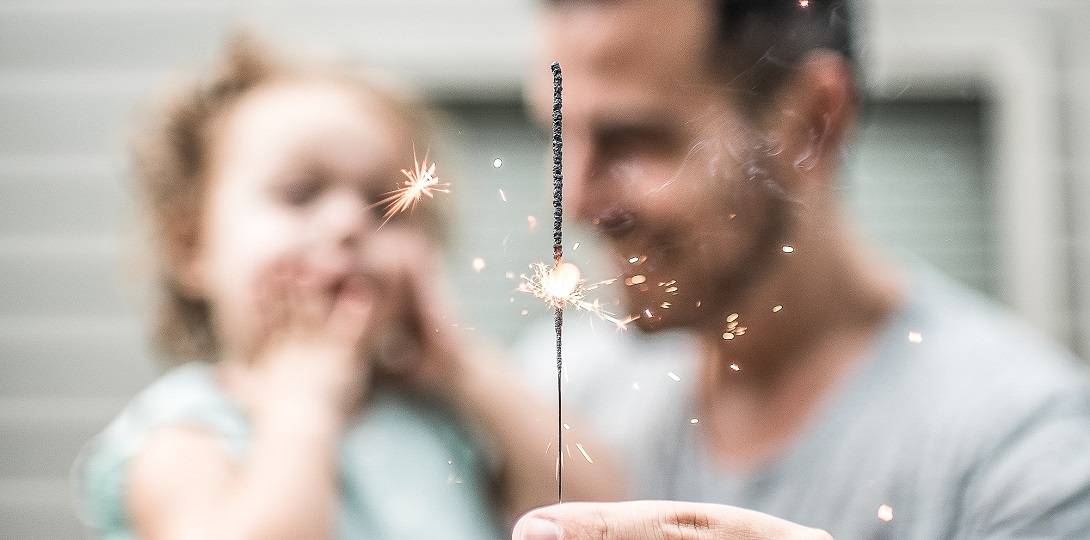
[308,354]
[417,344]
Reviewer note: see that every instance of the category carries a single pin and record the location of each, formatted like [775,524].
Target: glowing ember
[673,376]
[915,337]
[788,249]
[777,309]
[634,260]
[562,286]
[804,3]
[421,181]
[584,452]
[735,367]
[478,264]
[693,421]
[885,512]
[635,280]
[733,330]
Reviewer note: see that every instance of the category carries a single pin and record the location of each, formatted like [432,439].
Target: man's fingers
[656,520]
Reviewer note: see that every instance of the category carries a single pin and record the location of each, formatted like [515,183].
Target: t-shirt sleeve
[1037,483]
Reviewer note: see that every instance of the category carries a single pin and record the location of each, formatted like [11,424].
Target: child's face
[296,167]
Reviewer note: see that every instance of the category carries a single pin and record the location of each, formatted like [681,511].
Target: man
[831,389]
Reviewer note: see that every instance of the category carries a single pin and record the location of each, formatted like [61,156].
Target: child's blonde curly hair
[172,153]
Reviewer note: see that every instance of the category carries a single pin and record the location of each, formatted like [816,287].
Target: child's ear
[184,257]
[814,113]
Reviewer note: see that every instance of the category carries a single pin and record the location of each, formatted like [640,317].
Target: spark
[635,280]
[478,264]
[777,309]
[915,337]
[532,221]
[421,181]
[575,247]
[584,452]
[788,249]
[735,367]
[635,386]
[498,163]
[562,286]
[693,421]
[503,196]
[885,512]
[804,3]
[673,376]
[733,330]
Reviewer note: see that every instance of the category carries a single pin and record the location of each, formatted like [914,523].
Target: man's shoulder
[965,359]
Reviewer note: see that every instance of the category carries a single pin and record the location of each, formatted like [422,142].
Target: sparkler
[421,181]
[562,286]
[558,253]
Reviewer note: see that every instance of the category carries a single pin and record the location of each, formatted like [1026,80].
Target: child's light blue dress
[407,470]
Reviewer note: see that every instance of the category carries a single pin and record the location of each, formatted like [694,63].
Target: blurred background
[972,155]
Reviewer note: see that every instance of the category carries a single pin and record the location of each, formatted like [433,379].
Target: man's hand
[655,520]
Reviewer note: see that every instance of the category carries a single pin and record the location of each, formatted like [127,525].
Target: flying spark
[584,452]
[421,181]
[563,286]
[885,512]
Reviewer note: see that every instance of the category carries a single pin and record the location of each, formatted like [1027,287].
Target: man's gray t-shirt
[961,423]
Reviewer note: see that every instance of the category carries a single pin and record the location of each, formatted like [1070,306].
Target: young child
[335,396]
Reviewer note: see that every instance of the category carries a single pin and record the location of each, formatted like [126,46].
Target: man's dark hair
[759,42]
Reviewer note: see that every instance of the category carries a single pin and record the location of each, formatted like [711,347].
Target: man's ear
[814,112]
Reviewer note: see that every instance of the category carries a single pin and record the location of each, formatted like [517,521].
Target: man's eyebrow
[629,122]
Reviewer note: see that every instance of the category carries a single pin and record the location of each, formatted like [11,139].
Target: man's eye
[628,144]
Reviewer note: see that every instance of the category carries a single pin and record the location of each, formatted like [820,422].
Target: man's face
[659,158]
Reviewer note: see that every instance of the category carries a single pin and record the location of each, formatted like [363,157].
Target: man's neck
[797,335]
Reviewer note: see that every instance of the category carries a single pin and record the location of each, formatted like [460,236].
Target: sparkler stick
[558,253]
